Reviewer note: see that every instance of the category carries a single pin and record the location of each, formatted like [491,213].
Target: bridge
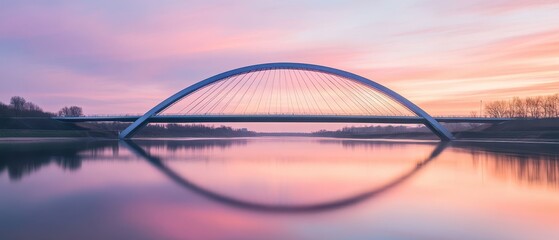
[286,92]
[280,118]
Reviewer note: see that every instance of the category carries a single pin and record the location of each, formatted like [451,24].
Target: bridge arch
[429,121]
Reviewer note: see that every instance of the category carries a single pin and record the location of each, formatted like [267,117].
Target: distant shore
[62,136]
[517,130]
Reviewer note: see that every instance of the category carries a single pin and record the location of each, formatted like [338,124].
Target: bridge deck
[281,118]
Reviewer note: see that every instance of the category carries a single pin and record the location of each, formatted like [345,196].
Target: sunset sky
[126,56]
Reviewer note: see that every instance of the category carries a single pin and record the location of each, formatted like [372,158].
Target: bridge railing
[470,116]
[284,114]
[114,115]
[287,114]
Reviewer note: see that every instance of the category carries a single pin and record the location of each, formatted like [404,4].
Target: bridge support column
[439,130]
[134,127]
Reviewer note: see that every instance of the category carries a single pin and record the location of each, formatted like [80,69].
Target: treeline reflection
[19,159]
[197,144]
[524,164]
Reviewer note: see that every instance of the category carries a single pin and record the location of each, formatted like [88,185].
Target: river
[278,188]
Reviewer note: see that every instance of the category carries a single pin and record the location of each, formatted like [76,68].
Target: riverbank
[28,133]
[517,130]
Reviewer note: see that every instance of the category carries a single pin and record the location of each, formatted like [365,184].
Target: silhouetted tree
[17,103]
[19,107]
[496,109]
[533,107]
[72,111]
[550,106]
[533,104]
[31,107]
[518,107]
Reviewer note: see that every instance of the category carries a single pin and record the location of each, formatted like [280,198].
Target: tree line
[529,107]
[19,107]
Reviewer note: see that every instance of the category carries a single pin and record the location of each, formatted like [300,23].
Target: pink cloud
[491,7]
[134,64]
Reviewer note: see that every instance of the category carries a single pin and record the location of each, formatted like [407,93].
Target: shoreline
[458,140]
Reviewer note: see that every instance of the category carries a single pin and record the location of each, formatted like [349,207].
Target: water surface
[278,188]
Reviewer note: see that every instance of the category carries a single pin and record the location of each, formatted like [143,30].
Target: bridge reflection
[280,208]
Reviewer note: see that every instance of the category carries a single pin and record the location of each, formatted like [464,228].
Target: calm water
[278,188]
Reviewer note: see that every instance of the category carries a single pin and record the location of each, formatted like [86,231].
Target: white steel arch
[431,123]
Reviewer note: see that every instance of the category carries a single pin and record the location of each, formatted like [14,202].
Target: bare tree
[549,106]
[556,104]
[29,106]
[73,111]
[519,108]
[509,109]
[533,105]
[17,103]
[496,109]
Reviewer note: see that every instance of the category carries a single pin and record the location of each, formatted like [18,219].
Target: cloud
[492,7]
[134,54]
